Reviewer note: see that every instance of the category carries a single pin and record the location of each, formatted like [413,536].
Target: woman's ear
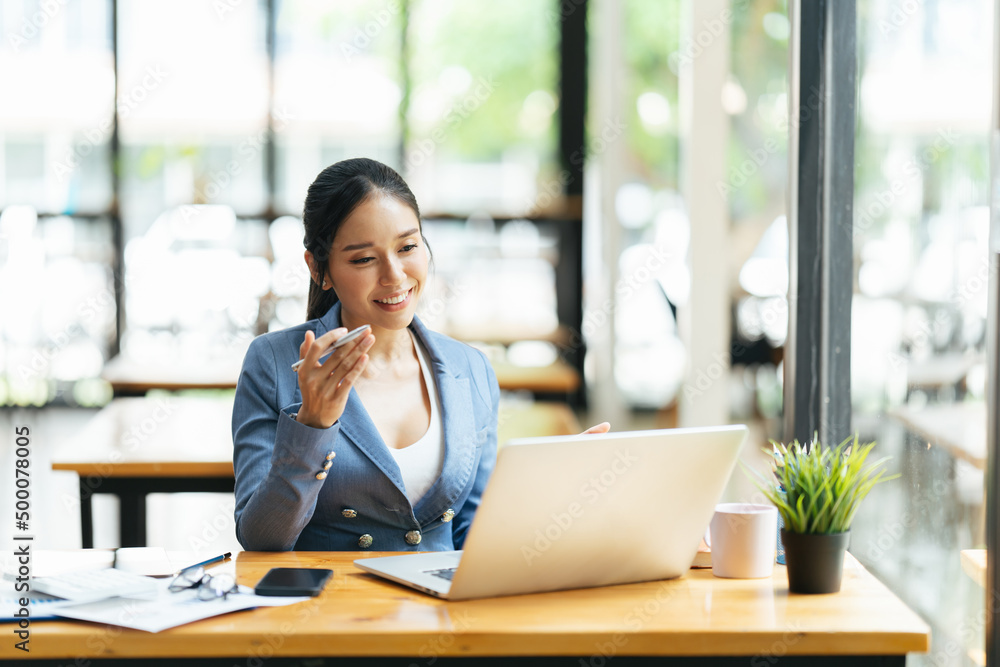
[313,271]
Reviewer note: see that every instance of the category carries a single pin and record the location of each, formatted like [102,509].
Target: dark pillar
[572,16]
[820,219]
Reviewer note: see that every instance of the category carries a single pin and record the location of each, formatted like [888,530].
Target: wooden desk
[359,615]
[958,427]
[130,377]
[556,378]
[169,444]
[137,446]
[974,565]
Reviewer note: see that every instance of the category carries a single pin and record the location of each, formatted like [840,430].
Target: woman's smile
[397,301]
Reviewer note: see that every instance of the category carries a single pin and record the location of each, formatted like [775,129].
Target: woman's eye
[365,260]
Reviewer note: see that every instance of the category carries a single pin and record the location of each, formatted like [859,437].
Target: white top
[420,463]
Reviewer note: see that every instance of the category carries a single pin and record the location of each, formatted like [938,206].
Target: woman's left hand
[603,427]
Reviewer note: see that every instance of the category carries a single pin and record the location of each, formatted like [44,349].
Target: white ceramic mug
[743,538]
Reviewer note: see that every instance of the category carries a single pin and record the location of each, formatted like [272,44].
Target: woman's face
[378,264]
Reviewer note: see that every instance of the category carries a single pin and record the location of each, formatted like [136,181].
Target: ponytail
[320,301]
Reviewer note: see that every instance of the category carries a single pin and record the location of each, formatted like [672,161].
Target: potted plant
[817,491]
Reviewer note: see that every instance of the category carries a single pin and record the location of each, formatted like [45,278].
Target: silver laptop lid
[580,511]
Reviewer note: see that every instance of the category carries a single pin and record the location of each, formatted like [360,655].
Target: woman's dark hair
[332,197]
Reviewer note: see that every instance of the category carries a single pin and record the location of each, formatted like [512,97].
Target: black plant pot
[815,562]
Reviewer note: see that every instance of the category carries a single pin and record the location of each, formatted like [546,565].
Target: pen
[216,559]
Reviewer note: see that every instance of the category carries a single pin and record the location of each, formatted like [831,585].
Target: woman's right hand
[325,387]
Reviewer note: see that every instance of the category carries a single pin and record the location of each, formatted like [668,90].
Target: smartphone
[343,340]
[293,581]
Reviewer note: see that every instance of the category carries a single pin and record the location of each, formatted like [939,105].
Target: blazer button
[321,475]
[326,466]
[413,537]
[348,513]
[448,515]
[365,541]
[330,455]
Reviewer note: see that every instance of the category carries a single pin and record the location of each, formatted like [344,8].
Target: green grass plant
[818,489]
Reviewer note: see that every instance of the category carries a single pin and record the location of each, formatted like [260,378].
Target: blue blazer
[283,501]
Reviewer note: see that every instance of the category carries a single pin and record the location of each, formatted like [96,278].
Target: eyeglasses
[210,586]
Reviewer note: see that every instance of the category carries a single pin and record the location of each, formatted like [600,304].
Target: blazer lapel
[355,424]
[458,424]
[459,428]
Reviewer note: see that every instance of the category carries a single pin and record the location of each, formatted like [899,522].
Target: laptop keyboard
[446,573]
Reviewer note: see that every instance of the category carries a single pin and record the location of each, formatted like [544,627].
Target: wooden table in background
[132,378]
[974,565]
[129,377]
[136,446]
[958,427]
[556,378]
[718,621]
[172,444]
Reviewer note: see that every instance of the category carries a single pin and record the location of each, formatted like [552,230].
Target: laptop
[581,511]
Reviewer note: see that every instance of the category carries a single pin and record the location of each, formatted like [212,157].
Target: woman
[388,442]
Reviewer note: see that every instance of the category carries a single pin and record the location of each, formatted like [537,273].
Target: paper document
[168,609]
